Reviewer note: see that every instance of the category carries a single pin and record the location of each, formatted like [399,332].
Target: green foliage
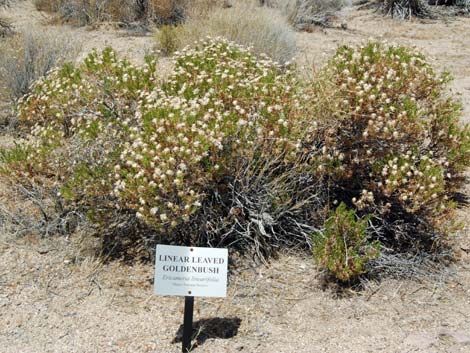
[167,39]
[115,139]
[79,119]
[219,103]
[343,248]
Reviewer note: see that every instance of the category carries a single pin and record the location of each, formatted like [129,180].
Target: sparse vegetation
[5,26]
[405,8]
[167,40]
[125,12]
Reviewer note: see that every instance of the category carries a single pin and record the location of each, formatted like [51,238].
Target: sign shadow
[205,329]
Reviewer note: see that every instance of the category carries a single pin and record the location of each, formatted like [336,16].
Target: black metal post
[188,323]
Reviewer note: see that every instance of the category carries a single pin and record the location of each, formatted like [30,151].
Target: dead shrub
[82,13]
[6,28]
[303,14]
[405,8]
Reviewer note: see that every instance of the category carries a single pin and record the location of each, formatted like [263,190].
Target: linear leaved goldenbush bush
[233,149]
[394,147]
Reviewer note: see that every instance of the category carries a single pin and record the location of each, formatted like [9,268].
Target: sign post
[188,323]
[190,272]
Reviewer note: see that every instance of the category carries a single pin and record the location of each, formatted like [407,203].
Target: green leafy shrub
[220,103]
[115,142]
[79,119]
[343,248]
[167,40]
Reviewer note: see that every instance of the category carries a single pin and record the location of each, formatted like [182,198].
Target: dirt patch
[56,297]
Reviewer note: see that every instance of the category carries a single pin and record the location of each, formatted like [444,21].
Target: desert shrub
[167,40]
[405,8]
[303,14]
[233,149]
[26,57]
[117,144]
[6,28]
[124,11]
[342,247]
[263,29]
[395,147]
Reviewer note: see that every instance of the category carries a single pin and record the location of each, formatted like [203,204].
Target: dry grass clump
[27,56]
[263,29]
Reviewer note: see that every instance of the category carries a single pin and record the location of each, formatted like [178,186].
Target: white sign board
[190,271]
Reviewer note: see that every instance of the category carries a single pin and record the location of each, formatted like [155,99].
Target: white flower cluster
[396,139]
[219,103]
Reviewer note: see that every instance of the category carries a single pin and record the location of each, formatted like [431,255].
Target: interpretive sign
[191,271]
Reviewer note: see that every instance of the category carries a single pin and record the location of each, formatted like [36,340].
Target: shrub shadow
[210,328]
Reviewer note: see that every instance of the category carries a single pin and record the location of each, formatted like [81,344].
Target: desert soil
[57,295]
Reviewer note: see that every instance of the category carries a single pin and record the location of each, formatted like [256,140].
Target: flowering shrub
[79,118]
[110,137]
[218,105]
[395,147]
[232,149]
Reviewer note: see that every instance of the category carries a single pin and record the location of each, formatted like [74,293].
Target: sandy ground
[56,295]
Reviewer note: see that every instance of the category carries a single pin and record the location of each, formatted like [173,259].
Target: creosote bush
[233,149]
